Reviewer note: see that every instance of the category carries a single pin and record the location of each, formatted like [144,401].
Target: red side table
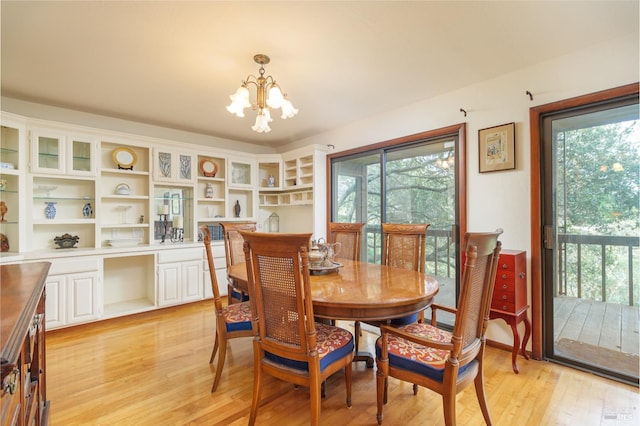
[510,298]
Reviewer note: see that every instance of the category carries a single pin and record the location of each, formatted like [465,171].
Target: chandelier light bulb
[275,98]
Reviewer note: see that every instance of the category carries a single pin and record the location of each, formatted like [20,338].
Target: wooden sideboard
[23,397]
[510,298]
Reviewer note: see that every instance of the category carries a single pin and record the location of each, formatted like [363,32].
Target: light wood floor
[152,369]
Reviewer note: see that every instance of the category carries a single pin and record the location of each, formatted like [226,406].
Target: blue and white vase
[87,210]
[50,210]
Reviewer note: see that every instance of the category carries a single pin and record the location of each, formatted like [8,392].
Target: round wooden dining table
[363,291]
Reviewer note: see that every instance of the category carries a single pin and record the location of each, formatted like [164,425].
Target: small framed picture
[497,148]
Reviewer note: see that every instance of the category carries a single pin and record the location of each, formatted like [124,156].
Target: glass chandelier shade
[268,96]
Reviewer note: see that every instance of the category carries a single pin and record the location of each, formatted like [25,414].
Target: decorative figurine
[3,211]
[4,243]
[236,208]
[208,193]
[3,184]
[271,181]
[87,211]
[141,219]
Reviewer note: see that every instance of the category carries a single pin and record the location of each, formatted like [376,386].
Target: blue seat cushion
[417,358]
[397,322]
[235,294]
[333,343]
[237,316]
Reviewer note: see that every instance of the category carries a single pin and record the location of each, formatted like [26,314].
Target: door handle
[548,237]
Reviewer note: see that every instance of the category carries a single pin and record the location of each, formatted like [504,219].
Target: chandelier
[268,96]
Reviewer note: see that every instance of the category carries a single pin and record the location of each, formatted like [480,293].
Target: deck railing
[578,252]
[572,261]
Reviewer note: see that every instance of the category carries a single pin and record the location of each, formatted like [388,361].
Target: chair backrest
[233,240]
[478,278]
[206,238]
[349,235]
[280,293]
[403,245]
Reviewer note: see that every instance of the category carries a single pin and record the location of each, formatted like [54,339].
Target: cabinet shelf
[125,197]
[87,221]
[125,172]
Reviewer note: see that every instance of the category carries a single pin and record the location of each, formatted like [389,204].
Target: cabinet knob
[504,266]
[504,286]
[504,297]
[504,307]
[522,274]
[504,276]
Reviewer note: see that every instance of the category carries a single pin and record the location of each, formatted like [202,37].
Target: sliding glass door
[412,182]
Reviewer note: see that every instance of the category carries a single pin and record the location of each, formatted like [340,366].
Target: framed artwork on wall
[497,148]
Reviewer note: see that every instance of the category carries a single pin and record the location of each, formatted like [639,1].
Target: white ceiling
[175,63]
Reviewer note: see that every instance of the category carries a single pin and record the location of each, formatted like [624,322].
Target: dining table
[362,291]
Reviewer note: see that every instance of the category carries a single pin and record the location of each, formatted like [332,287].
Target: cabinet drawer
[504,285]
[72,266]
[172,256]
[503,305]
[504,296]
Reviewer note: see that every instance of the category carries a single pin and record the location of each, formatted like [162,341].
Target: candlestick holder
[178,235]
[164,218]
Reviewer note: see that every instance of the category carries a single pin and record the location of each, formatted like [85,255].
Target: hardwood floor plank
[153,369]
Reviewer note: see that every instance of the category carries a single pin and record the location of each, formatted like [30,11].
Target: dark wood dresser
[510,298]
[23,397]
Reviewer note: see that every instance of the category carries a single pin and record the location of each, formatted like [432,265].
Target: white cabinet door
[191,281]
[83,297]
[169,284]
[55,306]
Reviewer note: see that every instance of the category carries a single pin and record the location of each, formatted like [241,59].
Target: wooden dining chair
[403,246]
[233,254]
[232,321]
[288,343]
[349,235]
[445,362]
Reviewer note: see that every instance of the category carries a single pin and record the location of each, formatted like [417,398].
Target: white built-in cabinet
[73,291]
[180,276]
[120,194]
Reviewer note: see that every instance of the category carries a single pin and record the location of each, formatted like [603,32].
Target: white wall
[499,199]
[494,102]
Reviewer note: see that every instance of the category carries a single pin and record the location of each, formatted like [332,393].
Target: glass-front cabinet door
[55,152]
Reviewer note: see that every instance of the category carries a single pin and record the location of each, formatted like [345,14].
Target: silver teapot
[317,253]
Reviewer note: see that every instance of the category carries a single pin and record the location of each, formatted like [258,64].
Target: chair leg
[314,395]
[381,392]
[215,348]
[449,408]
[347,379]
[482,398]
[221,356]
[257,389]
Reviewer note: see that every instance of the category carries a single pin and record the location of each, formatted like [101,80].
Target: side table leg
[516,345]
[527,334]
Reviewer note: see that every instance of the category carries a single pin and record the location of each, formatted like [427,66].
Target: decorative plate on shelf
[208,167]
[125,158]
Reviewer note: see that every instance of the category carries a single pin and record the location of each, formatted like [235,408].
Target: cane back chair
[232,321]
[403,246]
[349,235]
[233,253]
[288,344]
[445,362]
